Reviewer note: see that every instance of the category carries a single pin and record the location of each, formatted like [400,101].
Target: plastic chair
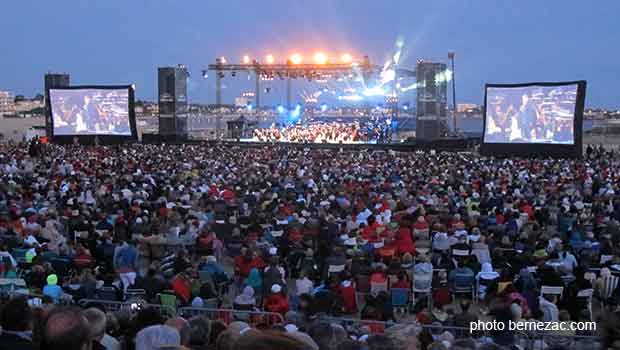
[400,299]
[553,290]
[168,299]
[464,284]
[376,288]
[335,269]
[80,235]
[610,283]
[422,284]
[132,294]
[422,234]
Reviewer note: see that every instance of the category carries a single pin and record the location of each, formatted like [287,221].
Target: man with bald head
[66,328]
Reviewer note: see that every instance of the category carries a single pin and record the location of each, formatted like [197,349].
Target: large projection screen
[533,118]
[92,111]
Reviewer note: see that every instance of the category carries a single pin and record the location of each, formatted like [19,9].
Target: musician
[527,117]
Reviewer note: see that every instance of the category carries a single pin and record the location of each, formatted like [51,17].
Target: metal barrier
[227,316]
[130,306]
[107,305]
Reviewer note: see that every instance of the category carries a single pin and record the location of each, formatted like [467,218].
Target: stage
[443,144]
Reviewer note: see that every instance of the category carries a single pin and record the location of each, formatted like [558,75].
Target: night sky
[123,41]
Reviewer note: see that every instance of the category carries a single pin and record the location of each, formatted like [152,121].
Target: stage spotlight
[280,109]
[320,58]
[346,58]
[270,59]
[405,107]
[223,60]
[249,106]
[204,74]
[298,107]
[323,107]
[246,59]
[296,58]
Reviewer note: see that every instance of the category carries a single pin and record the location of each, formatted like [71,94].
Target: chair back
[585,293]
[610,283]
[605,258]
[400,297]
[421,234]
[422,282]
[553,290]
[107,293]
[460,252]
[463,281]
[167,299]
[378,287]
[134,293]
[81,235]
[335,269]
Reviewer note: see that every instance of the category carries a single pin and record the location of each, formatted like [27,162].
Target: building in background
[7,103]
[467,107]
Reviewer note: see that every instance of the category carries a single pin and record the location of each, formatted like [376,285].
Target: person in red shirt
[247,261]
[182,287]
[404,241]
[402,282]
[277,301]
[346,289]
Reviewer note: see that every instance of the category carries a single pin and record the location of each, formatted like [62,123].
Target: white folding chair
[422,284]
[335,269]
[551,290]
[376,288]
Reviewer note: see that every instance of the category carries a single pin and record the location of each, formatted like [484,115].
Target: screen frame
[102,137]
[538,149]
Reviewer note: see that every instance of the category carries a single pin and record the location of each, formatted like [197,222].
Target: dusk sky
[123,42]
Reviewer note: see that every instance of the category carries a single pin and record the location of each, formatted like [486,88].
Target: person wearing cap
[276,301]
[52,289]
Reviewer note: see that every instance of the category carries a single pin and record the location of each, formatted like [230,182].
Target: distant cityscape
[19,106]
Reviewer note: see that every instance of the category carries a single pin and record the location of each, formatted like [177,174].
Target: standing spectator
[126,263]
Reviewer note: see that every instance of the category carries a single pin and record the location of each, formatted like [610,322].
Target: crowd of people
[311,236]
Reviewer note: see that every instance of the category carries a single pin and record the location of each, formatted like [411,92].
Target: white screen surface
[90,111]
[531,114]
